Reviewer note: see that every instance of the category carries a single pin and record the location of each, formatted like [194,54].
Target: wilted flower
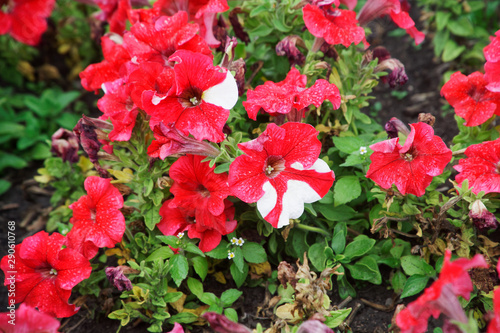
[117,277]
[314,326]
[288,47]
[395,126]
[481,217]
[169,141]
[220,324]
[27,320]
[65,145]
[395,69]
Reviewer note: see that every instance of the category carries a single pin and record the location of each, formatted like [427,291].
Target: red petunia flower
[494,325]
[201,12]
[27,320]
[397,10]
[281,171]
[97,220]
[441,296]
[492,65]
[481,167]
[209,229]
[169,141]
[290,95]
[412,166]
[45,273]
[25,20]
[115,56]
[336,26]
[200,101]
[470,98]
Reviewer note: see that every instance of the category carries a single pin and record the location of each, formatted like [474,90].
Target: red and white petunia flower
[481,167]
[397,10]
[200,100]
[442,295]
[281,171]
[492,65]
[470,98]
[209,230]
[336,26]
[28,319]
[290,95]
[412,166]
[46,272]
[97,220]
[25,20]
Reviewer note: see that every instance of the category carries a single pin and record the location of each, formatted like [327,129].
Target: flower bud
[481,217]
[397,74]
[65,145]
[393,126]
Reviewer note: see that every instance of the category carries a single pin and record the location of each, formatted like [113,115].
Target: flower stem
[313,229]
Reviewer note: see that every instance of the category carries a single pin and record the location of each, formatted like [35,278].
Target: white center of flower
[53,271]
[269,169]
[194,100]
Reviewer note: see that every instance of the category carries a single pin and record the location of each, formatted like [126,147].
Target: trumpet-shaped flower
[175,221]
[412,166]
[28,319]
[200,99]
[24,20]
[46,273]
[97,220]
[281,171]
[481,167]
[441,296]
[492,65]
[470,98]
[336,26]
[290,94]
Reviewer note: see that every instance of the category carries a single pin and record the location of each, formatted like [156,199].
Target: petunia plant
[233,140]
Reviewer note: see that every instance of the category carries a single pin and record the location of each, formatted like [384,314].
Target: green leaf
[183,318]
[13,130]
[414,265]
[200,266]
[152,217]
[451,51]
[346,189]
[410,209]
[442,19]
[238,276]
[254,253]
[169,240]
[180,268]
[414,285]
[156,196]
[4,186]
[11,161]
[162,253]
[366,269]
[337,317]
[317,256]
[351,160]
[238,258]
[359,246]
[67,120]
[192,248]
[231,314]
[398,281]
[339,213]
[348,144]
[220,252]
[224,167]
[339,238]
[148,186]
[40,151]
[195,286]
[461,27]
[209,299]
[230,296]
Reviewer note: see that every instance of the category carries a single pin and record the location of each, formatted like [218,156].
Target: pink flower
[398,12]
[481,167]
[441,296]
[336,26]
[281,171]
[208,230]
[290,95]
[169,141]
[177,329]
[117,277]
[25,20]
[97,220]
[46,273]
[494,325]
[200,100]
[412,166]
[492,65]
[470,98]
[27,320]
[220,324]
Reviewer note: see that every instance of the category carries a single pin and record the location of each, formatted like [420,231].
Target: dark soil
[27,205]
